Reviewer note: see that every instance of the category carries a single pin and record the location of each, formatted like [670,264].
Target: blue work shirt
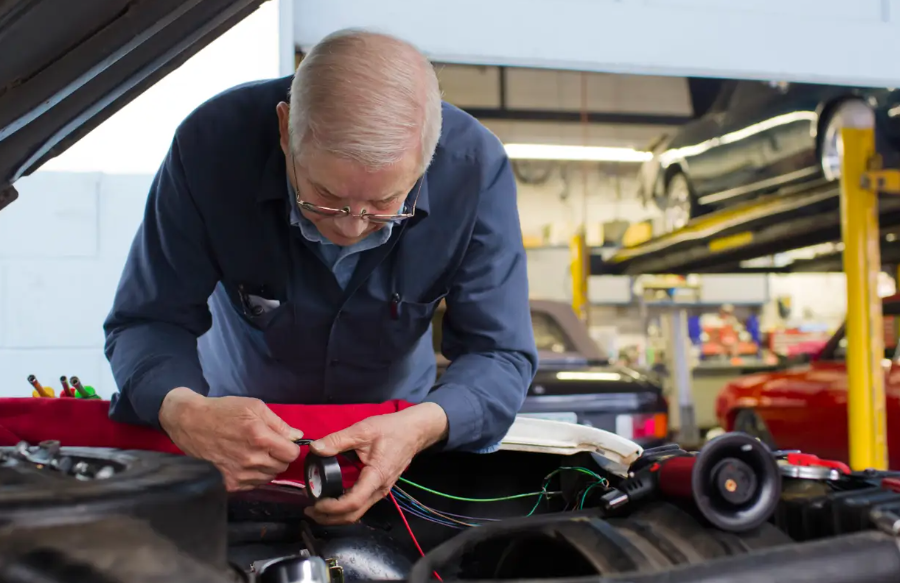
[224,293]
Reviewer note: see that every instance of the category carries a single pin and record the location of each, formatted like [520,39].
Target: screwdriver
[65,385]
[83,392]
[39,390]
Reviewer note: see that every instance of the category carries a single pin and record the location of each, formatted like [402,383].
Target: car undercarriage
[734,511]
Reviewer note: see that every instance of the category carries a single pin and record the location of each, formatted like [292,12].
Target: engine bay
[732,511]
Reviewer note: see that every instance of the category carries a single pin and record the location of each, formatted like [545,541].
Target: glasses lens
[321,210]
[330,212]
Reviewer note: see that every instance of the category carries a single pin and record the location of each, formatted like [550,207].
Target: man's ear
[285,136]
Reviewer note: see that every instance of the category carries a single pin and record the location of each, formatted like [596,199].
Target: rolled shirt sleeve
[487,329]
[160,307]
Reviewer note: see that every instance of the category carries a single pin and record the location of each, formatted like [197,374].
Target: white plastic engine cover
[560,437]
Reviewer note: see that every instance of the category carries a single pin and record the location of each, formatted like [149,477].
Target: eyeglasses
[364,214]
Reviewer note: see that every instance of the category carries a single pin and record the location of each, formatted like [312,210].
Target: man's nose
[350,226]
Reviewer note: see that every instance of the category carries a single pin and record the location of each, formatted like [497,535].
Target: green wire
[536,505]
[461,499]
[588,490]
[543,493]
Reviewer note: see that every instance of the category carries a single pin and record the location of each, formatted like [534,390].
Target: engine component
[733,481]
[657,537]
[363,553]
[49,483]
[813,510]
[586,546]
[295,570]
[116,549]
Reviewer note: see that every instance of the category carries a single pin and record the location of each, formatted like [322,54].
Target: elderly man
[295,244]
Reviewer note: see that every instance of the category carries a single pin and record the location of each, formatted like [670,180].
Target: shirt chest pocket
[389,335]
[404,325]
[271,319]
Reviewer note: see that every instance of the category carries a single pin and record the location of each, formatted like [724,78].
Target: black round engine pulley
[323,477]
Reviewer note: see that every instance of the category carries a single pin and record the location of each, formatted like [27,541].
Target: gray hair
[368,97]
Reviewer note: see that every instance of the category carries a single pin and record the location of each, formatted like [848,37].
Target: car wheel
[180,498]
[678,205]
[749,422]
[852,113]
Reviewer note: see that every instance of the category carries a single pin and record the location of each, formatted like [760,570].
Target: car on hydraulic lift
[557,501]
[577,383]
[756,138]
[805,407]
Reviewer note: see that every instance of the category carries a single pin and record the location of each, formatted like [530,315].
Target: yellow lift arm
[861,182]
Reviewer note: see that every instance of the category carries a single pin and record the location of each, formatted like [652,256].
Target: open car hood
[68,65]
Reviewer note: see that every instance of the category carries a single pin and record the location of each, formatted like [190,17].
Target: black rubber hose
[869,557]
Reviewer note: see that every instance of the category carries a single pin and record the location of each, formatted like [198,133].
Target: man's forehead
[360,193]
[345,179]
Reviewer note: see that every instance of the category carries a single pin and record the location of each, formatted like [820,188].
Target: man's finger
[263,462]
[275,445]
[369,483]
[339,441]
[347,518]
[278,425]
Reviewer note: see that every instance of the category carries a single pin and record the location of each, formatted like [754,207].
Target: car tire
[849,113]
[181,498]
[678,206]
[749,422]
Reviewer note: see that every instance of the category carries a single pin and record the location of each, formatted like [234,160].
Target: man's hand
[386,444]
[249,443]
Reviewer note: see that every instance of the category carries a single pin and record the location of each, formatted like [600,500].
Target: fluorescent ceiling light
[581,153]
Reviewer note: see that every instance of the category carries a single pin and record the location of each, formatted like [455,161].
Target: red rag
[86,423]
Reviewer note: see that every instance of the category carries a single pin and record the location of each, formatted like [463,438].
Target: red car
[806,407]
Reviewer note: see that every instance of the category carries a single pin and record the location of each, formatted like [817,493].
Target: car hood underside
[67,65]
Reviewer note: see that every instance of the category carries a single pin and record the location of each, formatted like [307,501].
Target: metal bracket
[335,571]
[881,181]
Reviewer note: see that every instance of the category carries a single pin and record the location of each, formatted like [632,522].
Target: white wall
[576,192]
[63,243]
[136,138]
[592,195]
[62,247]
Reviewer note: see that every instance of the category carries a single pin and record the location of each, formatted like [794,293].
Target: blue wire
[416,512]
[406,496]
[435,520]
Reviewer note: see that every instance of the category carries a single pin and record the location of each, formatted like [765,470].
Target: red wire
[409,530]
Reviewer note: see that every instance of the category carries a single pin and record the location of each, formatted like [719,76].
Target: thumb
[337,442]
[278,425]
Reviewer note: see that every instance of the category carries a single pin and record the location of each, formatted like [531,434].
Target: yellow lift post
[861,182]
[580,269]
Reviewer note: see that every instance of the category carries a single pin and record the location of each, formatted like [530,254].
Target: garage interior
[712,232]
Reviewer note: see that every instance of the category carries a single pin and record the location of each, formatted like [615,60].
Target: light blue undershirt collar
[341,260]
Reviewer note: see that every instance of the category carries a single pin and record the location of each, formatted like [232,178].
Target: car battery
[799,513]
[812,510]
[850,512]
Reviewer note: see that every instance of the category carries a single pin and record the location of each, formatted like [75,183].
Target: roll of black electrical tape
[323,477]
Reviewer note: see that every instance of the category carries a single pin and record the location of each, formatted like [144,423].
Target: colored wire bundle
[416,508]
